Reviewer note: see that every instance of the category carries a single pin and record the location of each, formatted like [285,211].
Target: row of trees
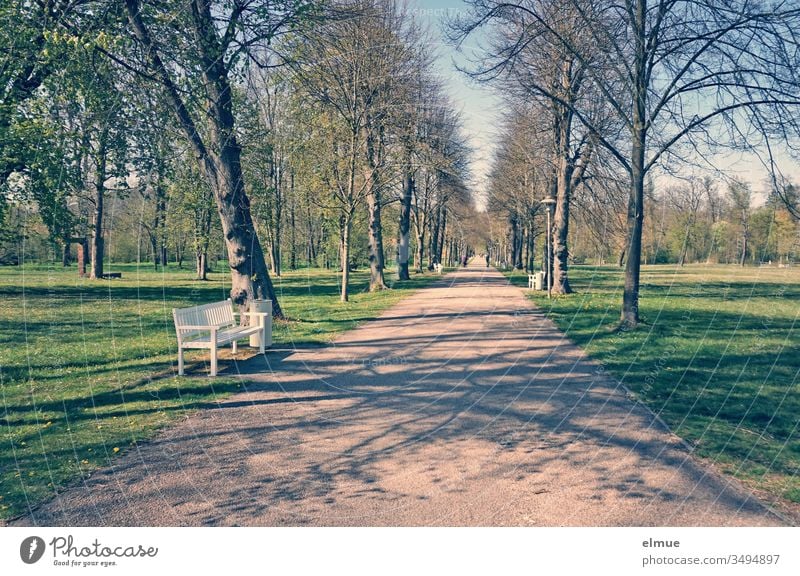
[620,91]
[702,220]
[288,129]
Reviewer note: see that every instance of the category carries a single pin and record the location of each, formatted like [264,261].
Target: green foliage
[717,358]
[687,236]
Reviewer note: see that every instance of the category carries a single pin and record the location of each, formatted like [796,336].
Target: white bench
[536,281]
[213,325]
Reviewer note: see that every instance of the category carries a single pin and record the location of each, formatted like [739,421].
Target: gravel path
[461,405]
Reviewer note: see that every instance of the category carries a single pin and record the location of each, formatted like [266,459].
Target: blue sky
[479,105]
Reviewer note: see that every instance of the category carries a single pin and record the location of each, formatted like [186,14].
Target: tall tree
[206,46]
[351,67]
[27,59]
[670,71]
[741,197]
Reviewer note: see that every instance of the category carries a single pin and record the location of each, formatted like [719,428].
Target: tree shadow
[403,422]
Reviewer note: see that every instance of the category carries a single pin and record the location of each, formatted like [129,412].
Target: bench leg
[180,360]
[214,360]
[262,343]
[234,346]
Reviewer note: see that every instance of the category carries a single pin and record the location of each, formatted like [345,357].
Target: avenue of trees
[260,135]
[605,96]
[263,136]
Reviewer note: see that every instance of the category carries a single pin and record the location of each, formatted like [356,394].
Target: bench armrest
[256,314]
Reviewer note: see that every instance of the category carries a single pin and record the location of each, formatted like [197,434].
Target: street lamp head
[549,203]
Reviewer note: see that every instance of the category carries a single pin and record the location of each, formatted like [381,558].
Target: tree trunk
[66,256]
[442,230]
[221,163]
[523,246]
[745,234]
[531,244]
[277,214]
[561,228]
[158,234]
[565,167]
[516,242]
[292,225]
[420,255]
[347,226]
[97,223]
[202,265]
[547,257]
[153,248]
[744,251]
[311,254]
[435,233]
[404,240]
[376,255]
[433,222]
[83,250]
[630,295]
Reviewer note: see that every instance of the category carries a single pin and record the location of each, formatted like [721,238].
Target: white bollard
[263,306]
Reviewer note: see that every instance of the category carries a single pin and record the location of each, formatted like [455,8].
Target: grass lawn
[717,358]
[87,367]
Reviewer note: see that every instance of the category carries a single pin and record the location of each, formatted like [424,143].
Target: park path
[461,405]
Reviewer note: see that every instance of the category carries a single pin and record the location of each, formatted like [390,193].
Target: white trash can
[265,307]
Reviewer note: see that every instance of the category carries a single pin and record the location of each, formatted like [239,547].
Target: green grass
[87,367]
[717,358]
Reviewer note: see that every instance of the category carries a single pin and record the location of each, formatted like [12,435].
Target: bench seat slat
[225,336]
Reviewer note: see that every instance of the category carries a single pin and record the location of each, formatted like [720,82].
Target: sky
[480,106]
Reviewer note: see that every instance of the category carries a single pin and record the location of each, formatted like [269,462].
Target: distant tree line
[708,219]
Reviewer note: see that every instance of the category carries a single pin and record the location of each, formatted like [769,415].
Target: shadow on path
[461,405]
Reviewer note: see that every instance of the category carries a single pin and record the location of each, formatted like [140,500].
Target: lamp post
[550,204]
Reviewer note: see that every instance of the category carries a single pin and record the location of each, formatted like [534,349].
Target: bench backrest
[214,314]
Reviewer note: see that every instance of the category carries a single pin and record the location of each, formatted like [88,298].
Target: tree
[525,54]
[27,58]
[84,116]
[521,175]
[741,199]
[191,195]
[206,45]
[687,201]
[670,72]
[355,68]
